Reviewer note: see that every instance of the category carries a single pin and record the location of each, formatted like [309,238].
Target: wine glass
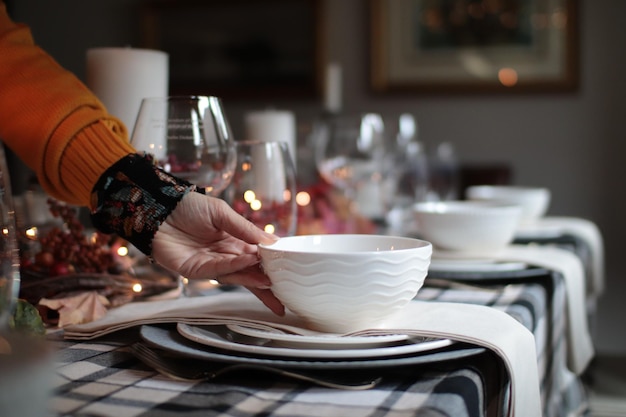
[26,362]
[351,154]
[263,188]
[9,252]
[189,137]
[411,174]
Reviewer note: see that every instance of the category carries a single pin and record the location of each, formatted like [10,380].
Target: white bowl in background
[533,200]
[467,226]
[342,283]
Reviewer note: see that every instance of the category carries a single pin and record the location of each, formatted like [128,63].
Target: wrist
[133,197]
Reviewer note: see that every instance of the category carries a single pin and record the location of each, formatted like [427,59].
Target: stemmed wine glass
[351,153]
[26,362]
[190,137]
[263,188]
[9,255]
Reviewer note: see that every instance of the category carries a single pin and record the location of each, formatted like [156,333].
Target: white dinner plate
[214,337]
[170,340]
[329,341]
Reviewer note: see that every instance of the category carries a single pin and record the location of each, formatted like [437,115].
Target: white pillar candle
[122,77]
[333,88]
[370,200]
[268,169]
[273,126]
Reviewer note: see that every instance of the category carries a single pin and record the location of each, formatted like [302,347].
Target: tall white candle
[333,88]
[122,77]
[273,126]
[268,168]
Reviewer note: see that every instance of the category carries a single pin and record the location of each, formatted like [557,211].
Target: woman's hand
[205,238]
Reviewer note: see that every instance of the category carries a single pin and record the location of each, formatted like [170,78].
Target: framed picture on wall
[248,49]
[473,46]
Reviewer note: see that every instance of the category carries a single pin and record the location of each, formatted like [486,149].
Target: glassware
[190,137]
[444,173]
[351,153]
[9,252]
[263,188]
[411,164]
[411,175]
[26,364]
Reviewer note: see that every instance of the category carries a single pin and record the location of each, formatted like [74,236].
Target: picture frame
[238,49]
[435,46]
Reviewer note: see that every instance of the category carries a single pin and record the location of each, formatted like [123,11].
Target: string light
[507,77]
[256,205]
[122,251]
[31,233]
[303,199]
[249,196]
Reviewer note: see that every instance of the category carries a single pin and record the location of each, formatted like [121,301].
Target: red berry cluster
[65,250]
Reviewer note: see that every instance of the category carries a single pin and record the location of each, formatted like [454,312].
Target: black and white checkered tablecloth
[103,378]
[539,304]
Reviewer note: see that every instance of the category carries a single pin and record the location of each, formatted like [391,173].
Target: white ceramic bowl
[343,283]
[533,200]
[467,226]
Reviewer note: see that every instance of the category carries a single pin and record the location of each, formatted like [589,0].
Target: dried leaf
[79,308]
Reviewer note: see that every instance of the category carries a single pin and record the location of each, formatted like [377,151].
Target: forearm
[51,120]
[80,153]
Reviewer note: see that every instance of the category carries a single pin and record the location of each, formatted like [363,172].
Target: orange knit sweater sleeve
[51,120]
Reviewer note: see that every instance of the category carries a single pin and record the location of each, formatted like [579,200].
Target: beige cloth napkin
[479,325]
[579,343]
[582,229]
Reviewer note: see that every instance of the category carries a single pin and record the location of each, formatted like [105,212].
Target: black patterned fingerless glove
[133,197]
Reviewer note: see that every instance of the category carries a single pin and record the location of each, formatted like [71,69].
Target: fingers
[258,284]
[251,277]
[227,219]
[268,298]
[214,253]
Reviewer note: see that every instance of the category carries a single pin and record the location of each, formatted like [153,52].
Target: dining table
[580,236]
[548,280]
[102,376]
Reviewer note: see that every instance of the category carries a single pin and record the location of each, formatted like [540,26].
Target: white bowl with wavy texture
[344,283]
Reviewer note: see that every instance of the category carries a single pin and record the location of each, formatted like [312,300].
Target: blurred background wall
[572,143]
